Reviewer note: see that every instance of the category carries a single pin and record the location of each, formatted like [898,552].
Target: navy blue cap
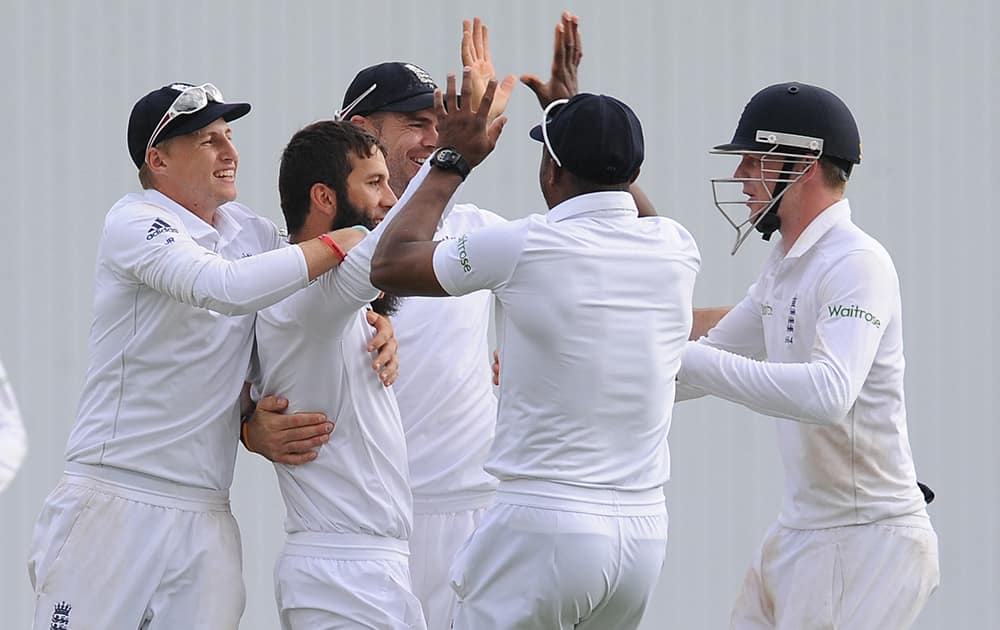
[597,138]
[150,110]
[400,87]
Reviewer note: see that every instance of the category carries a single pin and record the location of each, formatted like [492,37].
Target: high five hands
[473,131]
[566,56]
[476,57]
[469,128]
[565,62]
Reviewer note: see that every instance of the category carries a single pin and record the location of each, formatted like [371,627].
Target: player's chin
[226,192]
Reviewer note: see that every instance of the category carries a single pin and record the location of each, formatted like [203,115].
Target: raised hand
[468,129]
[476,57]
[565,62]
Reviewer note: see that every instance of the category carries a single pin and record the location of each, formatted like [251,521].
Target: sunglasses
[191,100]
[547,117]
[341,114]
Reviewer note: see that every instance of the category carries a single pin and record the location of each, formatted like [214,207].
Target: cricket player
[447,404]
[818,342]
[348,512]
[445,399]
[576,535]
[13,441]
[444,393]
[138,532]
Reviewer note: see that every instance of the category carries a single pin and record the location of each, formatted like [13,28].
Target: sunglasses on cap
[341,114]
[189,101]
[546,119]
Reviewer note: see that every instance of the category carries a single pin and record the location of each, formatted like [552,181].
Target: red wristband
[333,245]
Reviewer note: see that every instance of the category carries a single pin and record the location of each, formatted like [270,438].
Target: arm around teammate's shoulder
[147,245]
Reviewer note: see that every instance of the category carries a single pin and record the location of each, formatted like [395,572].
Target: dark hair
[319,154]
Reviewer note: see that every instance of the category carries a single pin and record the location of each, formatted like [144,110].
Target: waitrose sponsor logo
[463,255]
[856,312]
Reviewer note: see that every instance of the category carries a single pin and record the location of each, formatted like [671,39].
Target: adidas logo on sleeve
[159,227]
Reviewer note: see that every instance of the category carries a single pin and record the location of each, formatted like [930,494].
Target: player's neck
[316,223]
[202,210]
[795,220]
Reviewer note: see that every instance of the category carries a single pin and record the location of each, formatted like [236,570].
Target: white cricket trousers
[326,581]
[862,577]
[558,557]
[434,543]
[118,550]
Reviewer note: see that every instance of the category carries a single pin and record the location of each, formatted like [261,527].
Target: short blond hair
[834,174]
[145,176]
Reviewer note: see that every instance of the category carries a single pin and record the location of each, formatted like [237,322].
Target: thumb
[272,403]
[508,84]
[533,82]
[496,128]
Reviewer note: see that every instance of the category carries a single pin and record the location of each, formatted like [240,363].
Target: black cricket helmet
[797,123]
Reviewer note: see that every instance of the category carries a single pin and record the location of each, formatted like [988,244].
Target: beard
[349,215]
[386,304]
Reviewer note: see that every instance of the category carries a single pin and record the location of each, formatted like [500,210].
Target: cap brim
[413,103]
[536,133]
[740,146]
[189,123]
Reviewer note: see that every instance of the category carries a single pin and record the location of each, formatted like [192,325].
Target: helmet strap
[771,222]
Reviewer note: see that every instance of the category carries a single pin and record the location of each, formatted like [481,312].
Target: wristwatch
[449,159]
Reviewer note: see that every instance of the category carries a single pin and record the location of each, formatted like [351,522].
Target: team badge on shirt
[790,322]
[60,616]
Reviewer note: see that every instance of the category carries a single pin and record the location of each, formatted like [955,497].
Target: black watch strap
[449,159]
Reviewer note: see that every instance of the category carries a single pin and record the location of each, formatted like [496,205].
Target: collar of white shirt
[224,230]
[836,214]
[593,203]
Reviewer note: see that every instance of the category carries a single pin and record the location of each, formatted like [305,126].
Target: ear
[363,122]
[155,160]
[322,199]
[811,172]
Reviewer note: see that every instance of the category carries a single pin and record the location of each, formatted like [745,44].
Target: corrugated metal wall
[921,78]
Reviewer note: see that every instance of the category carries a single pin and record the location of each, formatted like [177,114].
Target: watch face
[446,157]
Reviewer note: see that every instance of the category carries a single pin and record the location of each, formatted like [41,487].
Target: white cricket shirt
[171,338]
[821,340]
[444,388]
[311,349]
[13,441]
[597,307]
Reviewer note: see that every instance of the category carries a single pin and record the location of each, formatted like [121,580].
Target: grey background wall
[920,76]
